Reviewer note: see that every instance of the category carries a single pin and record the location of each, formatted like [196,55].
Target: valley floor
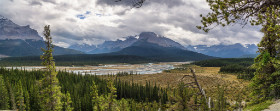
[208,77]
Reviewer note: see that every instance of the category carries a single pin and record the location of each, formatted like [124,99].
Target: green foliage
[26,100]
[258,12]
[50,93]
[122,95]
[266,82]
[233,68]
[242,67]
[4,96]
[123,105]
[247,74]
[67,102]
[96,100]
[20,98]
[260,106]
[242,72]
[228,12]
[224,62]
[221,103]
[77,60]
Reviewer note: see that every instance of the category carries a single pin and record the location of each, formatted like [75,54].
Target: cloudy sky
[94,21]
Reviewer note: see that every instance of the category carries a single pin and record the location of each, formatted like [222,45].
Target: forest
[242,67]
[253,83]
[76,60]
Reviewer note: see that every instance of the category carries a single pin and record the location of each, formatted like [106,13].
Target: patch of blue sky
[81,16]
[87,12]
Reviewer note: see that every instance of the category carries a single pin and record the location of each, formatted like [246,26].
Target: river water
[149,68]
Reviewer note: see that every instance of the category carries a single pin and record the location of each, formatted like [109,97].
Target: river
[149,68]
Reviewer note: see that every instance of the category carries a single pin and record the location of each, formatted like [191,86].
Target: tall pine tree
[4,96]
[19,97]
[50,93]
[67,103]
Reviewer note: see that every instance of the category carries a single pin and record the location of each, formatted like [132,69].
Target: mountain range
[223,51]
[227,51]
[146,44]
[114,46]
[18,40]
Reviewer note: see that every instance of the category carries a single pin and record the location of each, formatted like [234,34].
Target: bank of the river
[149,68]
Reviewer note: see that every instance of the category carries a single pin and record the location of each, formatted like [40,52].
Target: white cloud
[175,19]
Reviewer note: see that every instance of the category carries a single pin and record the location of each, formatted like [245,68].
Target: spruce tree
[111,96]
[123,105]
[67,104]
[50,93]
[19,97]
[94,96]
[26,100]
[265,13]
[4,96]
[12,97]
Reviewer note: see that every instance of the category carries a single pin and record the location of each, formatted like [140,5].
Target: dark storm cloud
[66,34]
[50,1]
[130,3]
[71,20]
[35,3]
[110,20]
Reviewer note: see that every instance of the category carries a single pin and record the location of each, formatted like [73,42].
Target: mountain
[145,48]
[83,47]
[114,46]
[226,51]
[18,40]
[151,37]
[148,45]
[29,47]
[10,30]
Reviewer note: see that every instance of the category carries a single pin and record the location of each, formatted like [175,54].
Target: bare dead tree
[195,85]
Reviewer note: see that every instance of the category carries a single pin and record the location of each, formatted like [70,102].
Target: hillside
[10,30]
[79,60]
[119,44]
[16,40]
[18,47]
[226,51]
[160,53]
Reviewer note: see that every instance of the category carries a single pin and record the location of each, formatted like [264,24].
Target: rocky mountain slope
[226,51]
[114,46]
[18,40]
[10,30]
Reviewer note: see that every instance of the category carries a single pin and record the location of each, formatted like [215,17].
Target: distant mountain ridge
[10,30]
[156,52]
[226,51]
[149,45]
[114,46]
[18,40]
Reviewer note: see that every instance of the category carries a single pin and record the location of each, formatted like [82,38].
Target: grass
[259,107]
[208,77]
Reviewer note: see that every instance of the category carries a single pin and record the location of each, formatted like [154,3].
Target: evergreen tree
[4,96]
[123,105]
[19,97]
[26,100]
[50,93]
[67,104]
[266,13]
[12,97]
[94,96]
[111,96]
